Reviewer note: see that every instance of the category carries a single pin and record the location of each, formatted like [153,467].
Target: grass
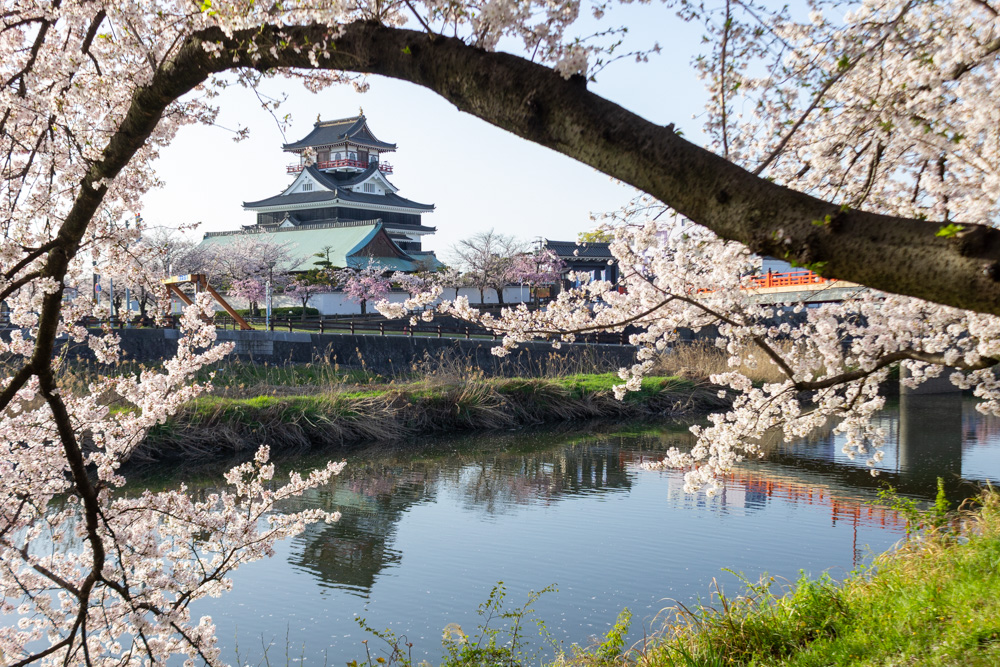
[294,407]
[580,384]
[344,413]
[932,602]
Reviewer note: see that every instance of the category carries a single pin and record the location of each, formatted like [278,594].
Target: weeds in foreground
[499,639]
[936,518]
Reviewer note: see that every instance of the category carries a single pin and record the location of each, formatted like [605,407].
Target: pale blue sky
[478,176]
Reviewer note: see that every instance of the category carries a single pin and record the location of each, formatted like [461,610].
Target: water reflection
[374,494]
[930,439]
[427,530]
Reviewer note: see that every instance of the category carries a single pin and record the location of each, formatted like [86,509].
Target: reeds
[215,426]
[702,360]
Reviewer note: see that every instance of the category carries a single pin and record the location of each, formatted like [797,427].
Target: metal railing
[384,167]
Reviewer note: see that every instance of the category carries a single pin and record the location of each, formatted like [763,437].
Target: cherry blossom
[866,127]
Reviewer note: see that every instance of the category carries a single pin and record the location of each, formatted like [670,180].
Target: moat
[429,529]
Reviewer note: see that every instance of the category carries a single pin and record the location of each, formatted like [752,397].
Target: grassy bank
[933,602]
[361,408]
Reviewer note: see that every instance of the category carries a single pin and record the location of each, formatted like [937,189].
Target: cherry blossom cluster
[100,577]
[365,283]
[834,357]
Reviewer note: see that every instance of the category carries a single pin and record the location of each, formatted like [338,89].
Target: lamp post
[270,277]
[128,292]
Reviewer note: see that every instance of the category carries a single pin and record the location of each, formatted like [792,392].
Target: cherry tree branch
[889,253]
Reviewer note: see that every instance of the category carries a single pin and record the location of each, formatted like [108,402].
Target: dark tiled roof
[344,195]
[328,132]
[335,179]
[296,198]
[391,199]
[403,227]
[339,182]
[570,249]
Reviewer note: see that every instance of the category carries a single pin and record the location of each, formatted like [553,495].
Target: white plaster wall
[336,303]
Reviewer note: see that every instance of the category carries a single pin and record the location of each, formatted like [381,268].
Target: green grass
[330,410]
[588,383]
[934,602]
[230,374]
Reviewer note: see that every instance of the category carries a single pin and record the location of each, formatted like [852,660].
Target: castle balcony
[384,167]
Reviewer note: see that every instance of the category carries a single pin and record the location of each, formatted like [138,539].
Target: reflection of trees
[373,494]
[978,430]
[498,482]
[371,499]
[495,473]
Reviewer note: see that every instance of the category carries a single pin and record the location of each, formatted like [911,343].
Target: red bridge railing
[789,279]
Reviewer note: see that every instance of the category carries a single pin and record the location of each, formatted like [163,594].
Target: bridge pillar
[930,440]
[939,385]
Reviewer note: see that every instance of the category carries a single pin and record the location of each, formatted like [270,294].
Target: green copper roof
[346,240]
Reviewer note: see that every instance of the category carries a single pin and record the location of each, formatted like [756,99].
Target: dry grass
[213,425]
[701,360]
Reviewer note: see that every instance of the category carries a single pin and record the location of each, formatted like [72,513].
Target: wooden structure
[200,281]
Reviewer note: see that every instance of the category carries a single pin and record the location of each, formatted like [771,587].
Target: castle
[341,203]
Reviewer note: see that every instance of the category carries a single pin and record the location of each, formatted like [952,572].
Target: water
[427,532]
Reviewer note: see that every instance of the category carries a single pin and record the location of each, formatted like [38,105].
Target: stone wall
[385,355]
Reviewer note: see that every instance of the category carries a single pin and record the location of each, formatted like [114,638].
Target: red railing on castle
[384,167]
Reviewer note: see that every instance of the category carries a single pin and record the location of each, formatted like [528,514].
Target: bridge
[801,286]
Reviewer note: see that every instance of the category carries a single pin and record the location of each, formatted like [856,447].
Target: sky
[478,176]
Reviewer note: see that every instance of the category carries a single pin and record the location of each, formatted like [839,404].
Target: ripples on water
[426,533]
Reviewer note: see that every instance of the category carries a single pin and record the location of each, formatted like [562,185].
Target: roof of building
[339,190]
[351,245]
[332,132]
[394,228]
[581,251]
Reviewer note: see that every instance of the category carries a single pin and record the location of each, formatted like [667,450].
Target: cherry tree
[365,283]
[246,264]
[411,283]
[304,288]
[451,278]
[861,142]
[543,267]
[251,290]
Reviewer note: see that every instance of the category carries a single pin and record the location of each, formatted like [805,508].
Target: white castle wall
[336,303]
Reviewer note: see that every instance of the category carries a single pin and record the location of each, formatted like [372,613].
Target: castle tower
[341,184]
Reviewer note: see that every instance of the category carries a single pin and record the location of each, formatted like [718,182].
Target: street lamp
[270,277]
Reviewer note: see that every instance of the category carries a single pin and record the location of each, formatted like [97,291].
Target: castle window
[370,187]
[307,187]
